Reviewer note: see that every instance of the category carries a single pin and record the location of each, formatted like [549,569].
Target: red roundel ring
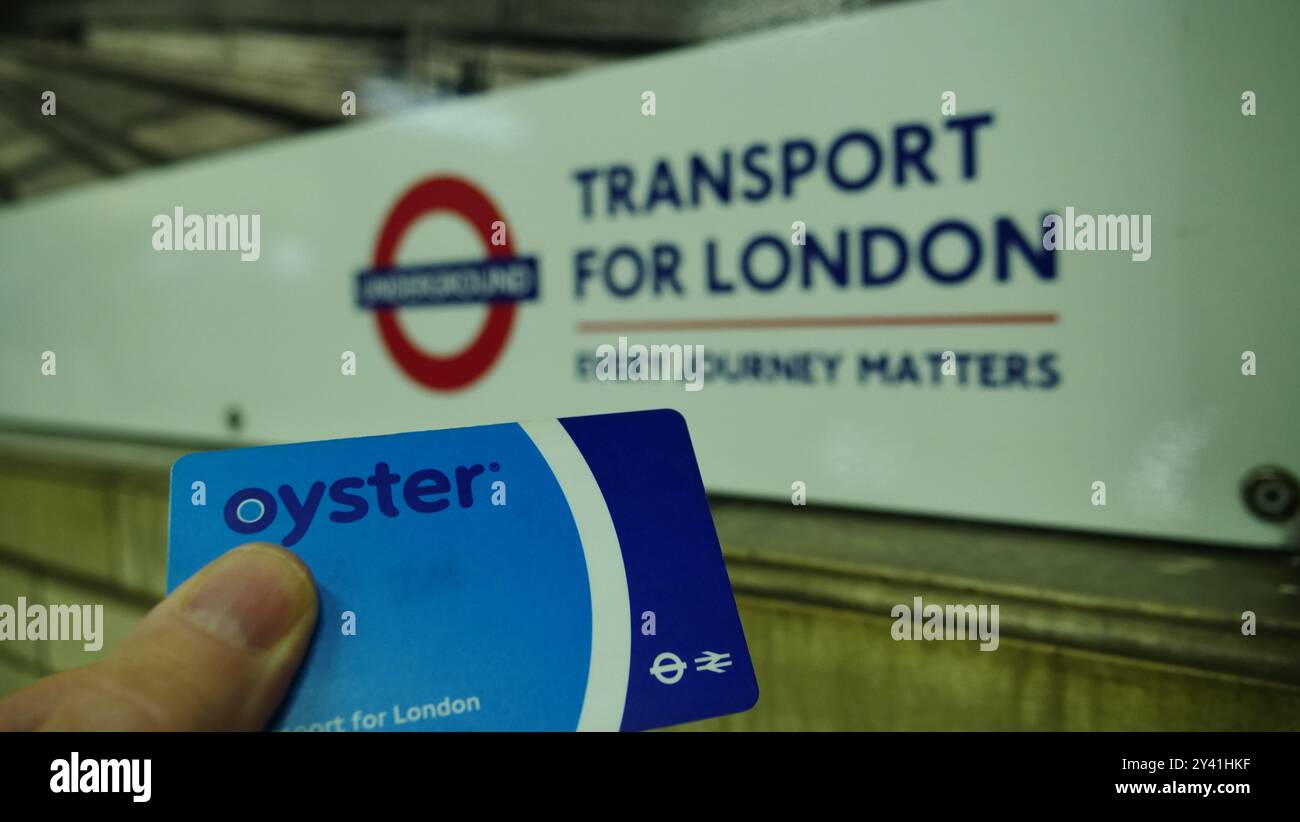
[444,373]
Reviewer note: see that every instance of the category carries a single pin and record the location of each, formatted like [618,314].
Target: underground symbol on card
[500,281]
[668,668]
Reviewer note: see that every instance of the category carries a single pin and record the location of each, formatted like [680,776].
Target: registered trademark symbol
[492,466]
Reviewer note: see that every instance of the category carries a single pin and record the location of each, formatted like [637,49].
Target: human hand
[218,654]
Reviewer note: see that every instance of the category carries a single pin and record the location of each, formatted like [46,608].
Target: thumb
[218,654]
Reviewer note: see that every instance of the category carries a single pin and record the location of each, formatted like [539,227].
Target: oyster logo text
[76,775]
[251,510]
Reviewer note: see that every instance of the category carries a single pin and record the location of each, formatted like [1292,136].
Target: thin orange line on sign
[743,323]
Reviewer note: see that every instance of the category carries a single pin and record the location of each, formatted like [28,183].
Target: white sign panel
[847,217]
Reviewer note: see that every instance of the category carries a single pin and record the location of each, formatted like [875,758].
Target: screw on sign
[456,196]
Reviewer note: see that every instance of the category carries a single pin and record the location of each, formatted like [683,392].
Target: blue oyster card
[555,575]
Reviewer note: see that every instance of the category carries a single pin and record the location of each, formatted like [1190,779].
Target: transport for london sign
[943,258]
